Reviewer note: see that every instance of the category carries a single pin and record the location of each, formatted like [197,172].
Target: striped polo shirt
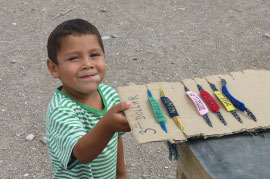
[66,122]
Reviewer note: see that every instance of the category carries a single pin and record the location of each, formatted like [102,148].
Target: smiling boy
[84,119]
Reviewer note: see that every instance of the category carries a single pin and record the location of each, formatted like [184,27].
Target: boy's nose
[87,63]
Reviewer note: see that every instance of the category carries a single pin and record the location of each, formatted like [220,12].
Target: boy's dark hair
[70,27]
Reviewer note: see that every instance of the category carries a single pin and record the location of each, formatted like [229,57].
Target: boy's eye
[94,55]
[73,58]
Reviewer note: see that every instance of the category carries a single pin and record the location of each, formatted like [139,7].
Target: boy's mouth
[87,75]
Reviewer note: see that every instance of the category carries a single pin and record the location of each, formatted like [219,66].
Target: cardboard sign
[250,87]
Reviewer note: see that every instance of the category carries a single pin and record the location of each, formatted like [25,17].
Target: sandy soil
[155,41]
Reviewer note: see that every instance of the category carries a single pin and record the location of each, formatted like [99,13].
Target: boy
[85,118]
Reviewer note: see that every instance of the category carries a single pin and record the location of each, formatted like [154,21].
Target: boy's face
[81,65]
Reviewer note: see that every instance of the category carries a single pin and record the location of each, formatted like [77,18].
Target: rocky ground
[147,41]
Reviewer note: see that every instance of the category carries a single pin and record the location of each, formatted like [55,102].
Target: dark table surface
[243,155]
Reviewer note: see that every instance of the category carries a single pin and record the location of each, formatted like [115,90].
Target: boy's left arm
[120,168]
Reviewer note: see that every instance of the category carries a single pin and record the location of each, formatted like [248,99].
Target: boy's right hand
[115,120]
[93,143]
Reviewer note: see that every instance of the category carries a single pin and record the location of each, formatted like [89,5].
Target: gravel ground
[152,41]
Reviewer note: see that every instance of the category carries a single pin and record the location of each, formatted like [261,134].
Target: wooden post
[188,166]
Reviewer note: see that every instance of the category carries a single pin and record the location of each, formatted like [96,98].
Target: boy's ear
[53,68]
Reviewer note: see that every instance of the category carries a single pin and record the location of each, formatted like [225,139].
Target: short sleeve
[64,129]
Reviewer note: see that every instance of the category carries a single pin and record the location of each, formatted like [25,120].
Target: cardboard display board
[250,87]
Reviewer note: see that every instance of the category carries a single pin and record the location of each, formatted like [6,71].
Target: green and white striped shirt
[66,122]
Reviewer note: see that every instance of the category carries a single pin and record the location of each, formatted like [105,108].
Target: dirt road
[152,41]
